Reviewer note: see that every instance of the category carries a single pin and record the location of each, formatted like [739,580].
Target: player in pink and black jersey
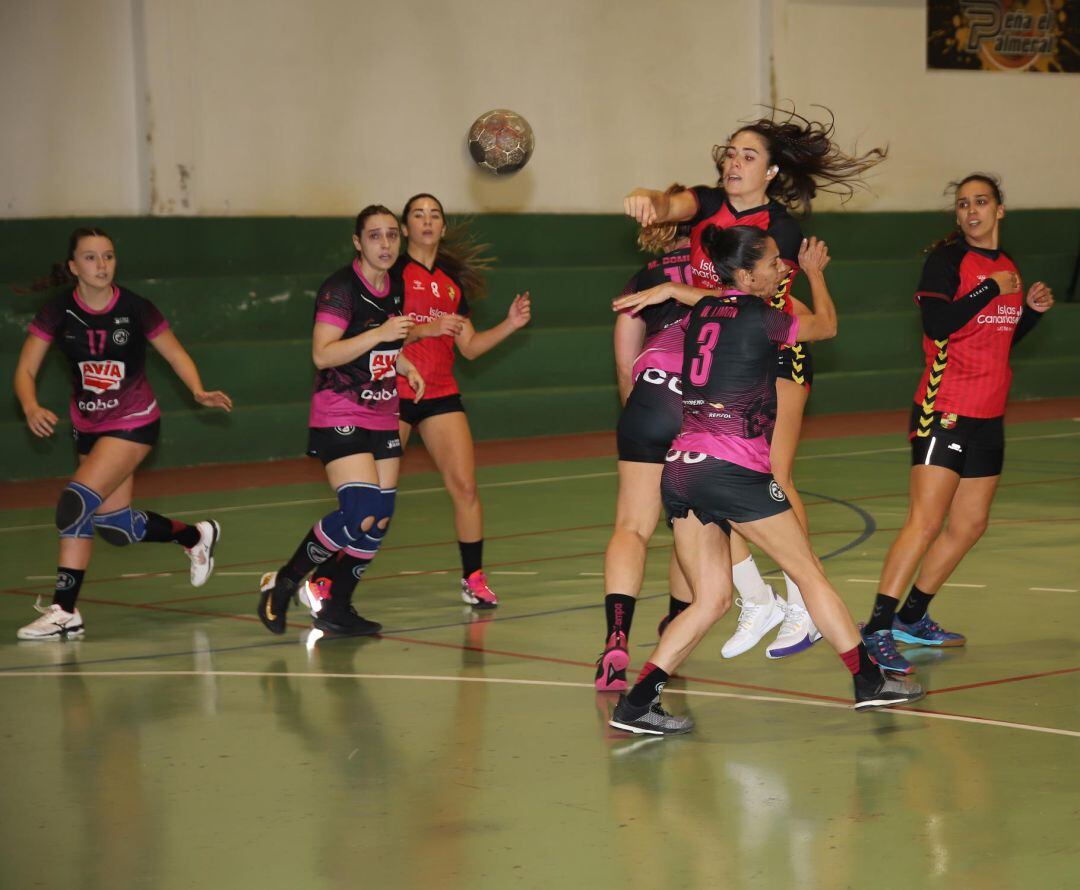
[102,330]
[718,477]
[359,330]
[768,170]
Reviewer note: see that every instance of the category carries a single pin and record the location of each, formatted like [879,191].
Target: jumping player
[439,281]
[648,361]
[767,169]
[356,346]
[973,312]
[717,476]
[102,330]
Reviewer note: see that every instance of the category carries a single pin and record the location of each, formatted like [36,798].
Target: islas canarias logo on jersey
[101,376]
[383,364]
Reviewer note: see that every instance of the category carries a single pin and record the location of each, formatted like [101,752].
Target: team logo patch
[120,336]
[948,421]
[102,376]
[453,294]
[776,492]
[344,430]
[316,553]
[358,571]
[383,364]
[64,581]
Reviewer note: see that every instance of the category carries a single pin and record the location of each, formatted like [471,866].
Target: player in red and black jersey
[973,313]
[359,329]
[717,475]
[767,168]
[102,330]
[439,281]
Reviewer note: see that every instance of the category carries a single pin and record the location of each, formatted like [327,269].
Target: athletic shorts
[144,435]
[718,491]
[412,413]
[971,446]
[797,364]
[651,418]
[329,443]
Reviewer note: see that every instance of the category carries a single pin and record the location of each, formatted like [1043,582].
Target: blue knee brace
[75,511]
[121,527]
[373,537]
[357,501]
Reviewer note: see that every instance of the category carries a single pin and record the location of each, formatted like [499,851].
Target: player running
[356,346]
[973,312]
[767,169]
[102,330]
[439,281]
[717,476]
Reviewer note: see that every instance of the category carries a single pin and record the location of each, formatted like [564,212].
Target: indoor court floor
[179,744]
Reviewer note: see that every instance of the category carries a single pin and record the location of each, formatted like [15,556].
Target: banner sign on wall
[1003,35]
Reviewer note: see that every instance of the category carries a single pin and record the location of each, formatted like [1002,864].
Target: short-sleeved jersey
[663,345]
[106,350]
[729,378]
[430,294]
[968,372]
[362,392]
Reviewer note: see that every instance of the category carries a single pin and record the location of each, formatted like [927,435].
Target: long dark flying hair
[60,275]
[808,159]
[462,256]
[734,248]
[662,237]
[953,188]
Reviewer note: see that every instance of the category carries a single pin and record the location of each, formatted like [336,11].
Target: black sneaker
[651,719]
[884,691]
[345,621]
[274,596]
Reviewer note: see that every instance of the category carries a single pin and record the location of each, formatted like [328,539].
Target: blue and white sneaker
[882,649]
[926,632]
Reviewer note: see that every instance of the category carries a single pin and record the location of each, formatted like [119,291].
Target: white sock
[794,595]
[749,583]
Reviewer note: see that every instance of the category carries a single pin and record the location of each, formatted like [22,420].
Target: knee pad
[121,527]
[374,535]
[357,501]
[75,511]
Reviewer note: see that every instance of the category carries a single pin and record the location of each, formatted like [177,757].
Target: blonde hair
[662,237]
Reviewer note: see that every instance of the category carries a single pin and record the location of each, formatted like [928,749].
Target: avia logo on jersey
[383,364]
[100,377]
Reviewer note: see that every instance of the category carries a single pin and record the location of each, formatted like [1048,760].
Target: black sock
[882,616]
[68,582]
[619,609]
[344,573]
[868,668]
[309,554]
[675,607]
[472,556]
[160,529]
[649,685]
[915,606]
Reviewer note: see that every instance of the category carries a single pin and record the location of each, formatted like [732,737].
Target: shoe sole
[916,641]
[476,602]
[342,631]
[210,552]
[805,643]
[640,730]
[779,620]
[876,703]
[613,660]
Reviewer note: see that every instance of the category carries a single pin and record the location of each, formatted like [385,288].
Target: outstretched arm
[818,323]
[651,207]
[472,343]
[684,293]
[184,368]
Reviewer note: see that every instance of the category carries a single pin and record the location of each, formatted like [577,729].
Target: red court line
[1017,679]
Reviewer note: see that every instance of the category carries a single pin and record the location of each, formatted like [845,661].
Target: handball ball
[501,141]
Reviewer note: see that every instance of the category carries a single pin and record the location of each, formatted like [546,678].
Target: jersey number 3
[702,363]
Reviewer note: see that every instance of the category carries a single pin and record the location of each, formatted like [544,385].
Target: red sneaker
[475,591]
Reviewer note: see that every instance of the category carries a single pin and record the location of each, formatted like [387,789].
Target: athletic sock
[882,616]
[68,582]
[619,609]
[794,595]
[860,663]
[675,607]
[748,581]
[160,529]
[311,552]
[650,683]
[915,606]
[343,574]
[472,556]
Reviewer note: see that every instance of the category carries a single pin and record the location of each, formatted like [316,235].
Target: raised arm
[472,343]
[650,207]
[819,322]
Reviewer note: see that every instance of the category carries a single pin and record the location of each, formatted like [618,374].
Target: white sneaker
[796,633]
[755,620]
[202,554]
[54,624]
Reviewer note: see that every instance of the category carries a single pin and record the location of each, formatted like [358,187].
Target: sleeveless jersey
[362,392]
[968,372]
[106,350]
[729,378]
[429,294]
[663,345]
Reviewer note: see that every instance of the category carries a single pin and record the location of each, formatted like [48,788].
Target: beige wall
[277,107]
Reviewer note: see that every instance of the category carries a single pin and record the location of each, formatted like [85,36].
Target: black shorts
[144,435]
[651,418]
[797,364]
[974,447]
[412,413]
[329,443]
[718,491]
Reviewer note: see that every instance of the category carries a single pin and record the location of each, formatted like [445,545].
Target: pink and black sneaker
[475,591]
[612,664]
